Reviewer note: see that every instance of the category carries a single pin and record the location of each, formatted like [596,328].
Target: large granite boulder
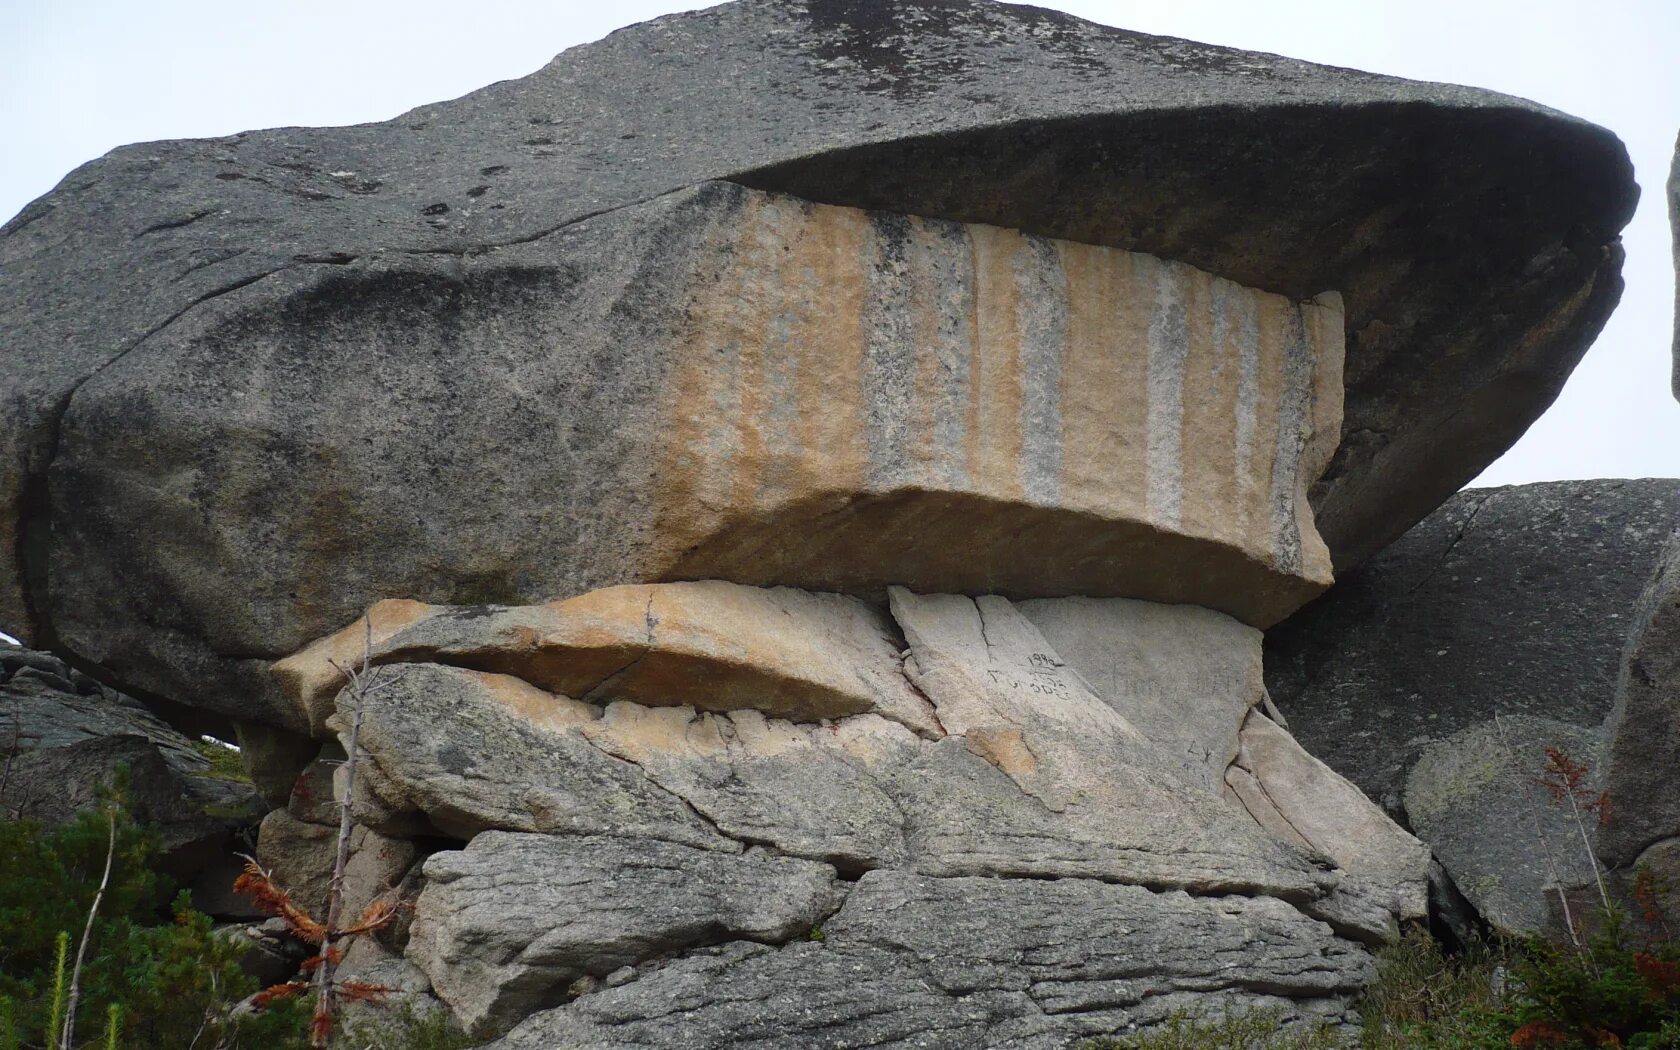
[1642,735]
[522,345]
[1643,732]
[1506,601]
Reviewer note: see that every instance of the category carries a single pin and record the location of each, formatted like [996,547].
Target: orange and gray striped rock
[863,399]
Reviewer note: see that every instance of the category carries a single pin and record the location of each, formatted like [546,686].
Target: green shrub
[1621,988]
[226,763]
[172,979]
[1425,998]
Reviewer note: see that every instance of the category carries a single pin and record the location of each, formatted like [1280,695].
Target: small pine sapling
[331,934]
[67,1039]
[9,1037]
[60,984]
[1569,783]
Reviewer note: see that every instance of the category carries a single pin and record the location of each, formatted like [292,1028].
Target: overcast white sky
[79,77]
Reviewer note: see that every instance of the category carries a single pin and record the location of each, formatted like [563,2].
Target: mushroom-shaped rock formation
[525,344]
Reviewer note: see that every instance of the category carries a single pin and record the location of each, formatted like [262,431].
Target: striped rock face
[865,398]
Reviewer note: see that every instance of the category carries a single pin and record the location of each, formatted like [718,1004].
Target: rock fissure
[1481,500]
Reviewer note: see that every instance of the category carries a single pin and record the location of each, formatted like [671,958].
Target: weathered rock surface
[1065,785]
[1110,805]
[753,437]
[506,926]
[1292,794]
[1642,751]
[912,961]
[1477,798]
[427,305]
[474,752]
[301,856]
[1507,601]
[1183,676]
[62,739]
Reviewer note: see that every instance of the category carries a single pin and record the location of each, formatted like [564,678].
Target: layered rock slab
[1469,293]
[507,925]
[965,962]
[754,388]
[1017,787]
[783,652]
[650,838]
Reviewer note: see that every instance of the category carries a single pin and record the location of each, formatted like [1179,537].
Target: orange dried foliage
[363,992]
[270,899]
[1546,1034]
[1567,780]
[1662,978]
[274,993]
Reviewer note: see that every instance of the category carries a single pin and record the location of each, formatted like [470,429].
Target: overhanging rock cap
[1473,236]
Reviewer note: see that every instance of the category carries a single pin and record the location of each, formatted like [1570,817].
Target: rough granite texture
[1642,749]
[1472,236]
[504,927]
[1032,868]
[1506,601]
[954,964]
[1477,799]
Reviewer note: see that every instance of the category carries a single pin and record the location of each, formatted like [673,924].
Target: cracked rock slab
[474,752]
[1092,796]
[1184,676]
[911,961]
[1301,798]
[505,926]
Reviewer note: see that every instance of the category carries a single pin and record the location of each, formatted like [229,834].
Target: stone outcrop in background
[1436,675]
[1506,601]
[62,738]
[1642,746]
